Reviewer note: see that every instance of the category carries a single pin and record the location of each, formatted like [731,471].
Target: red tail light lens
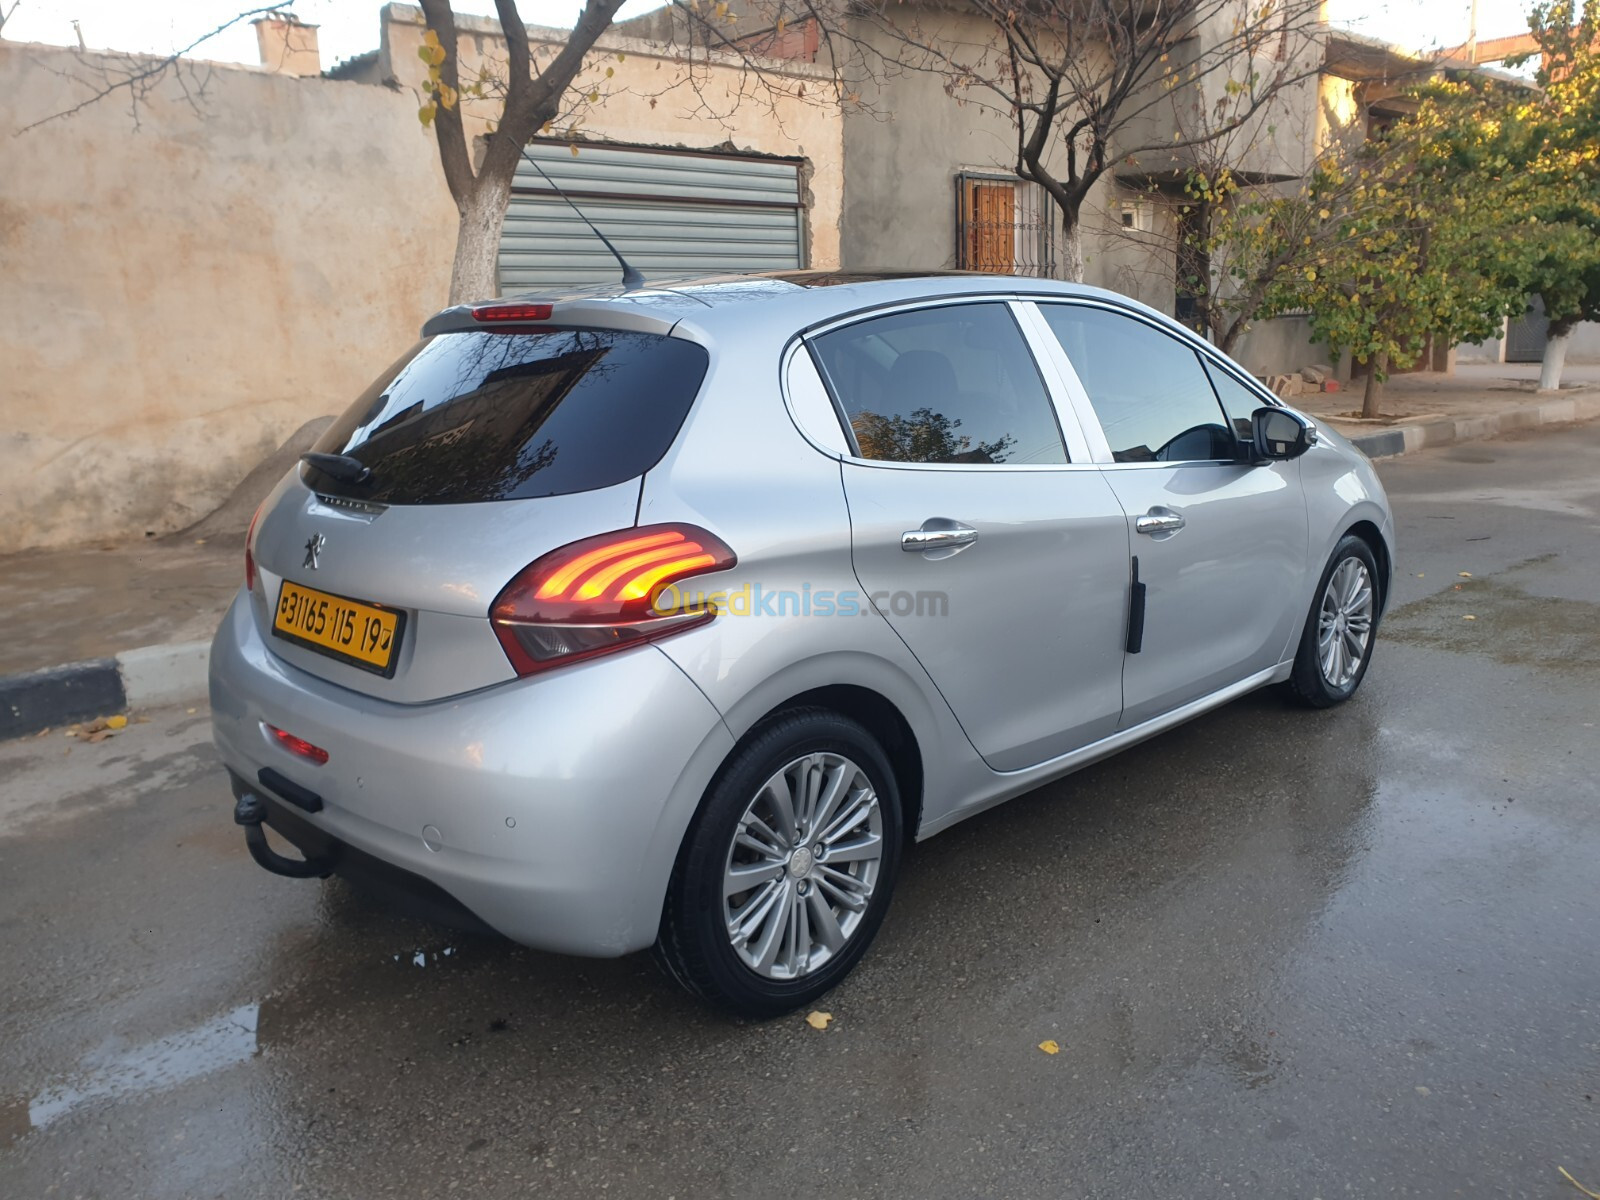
[298,746]
[249,552]
[512,312]
[601,594]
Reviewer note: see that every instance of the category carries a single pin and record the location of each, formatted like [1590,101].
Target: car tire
[716,939]
[1341,627]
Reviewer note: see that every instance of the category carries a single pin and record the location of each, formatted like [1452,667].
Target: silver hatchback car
[668,618]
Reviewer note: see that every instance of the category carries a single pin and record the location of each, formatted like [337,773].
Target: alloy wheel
[1344,626]
[802,867]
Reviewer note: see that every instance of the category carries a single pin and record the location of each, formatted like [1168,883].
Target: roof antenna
[632,281]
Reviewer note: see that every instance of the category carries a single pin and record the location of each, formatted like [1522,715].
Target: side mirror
[1280,434]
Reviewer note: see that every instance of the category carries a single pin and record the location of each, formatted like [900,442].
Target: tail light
[515,313]
[249,552]
[298,745]
[601,594]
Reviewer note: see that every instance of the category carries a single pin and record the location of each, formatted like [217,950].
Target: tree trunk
[1230,336]
[475,273]
[1377,366]
[1555,355]
[1071,248]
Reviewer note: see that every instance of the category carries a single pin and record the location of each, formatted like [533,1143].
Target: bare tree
[1093,85]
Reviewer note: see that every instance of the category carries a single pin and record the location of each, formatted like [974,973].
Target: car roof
[796,299]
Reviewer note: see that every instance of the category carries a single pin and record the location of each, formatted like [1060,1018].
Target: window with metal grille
[1003,225]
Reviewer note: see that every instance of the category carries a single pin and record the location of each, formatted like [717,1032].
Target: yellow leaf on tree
[425,114]
[1050,1046]
[818,1020]
[1324,214]
[594,97]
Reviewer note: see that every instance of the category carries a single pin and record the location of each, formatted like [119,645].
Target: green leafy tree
[1405,250]
[1548,147]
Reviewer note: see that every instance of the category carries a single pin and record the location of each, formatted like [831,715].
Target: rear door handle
[1159,520]
[938,533]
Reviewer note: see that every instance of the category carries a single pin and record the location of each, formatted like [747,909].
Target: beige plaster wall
[181,293]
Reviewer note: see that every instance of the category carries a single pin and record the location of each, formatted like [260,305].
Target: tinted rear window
[474,416]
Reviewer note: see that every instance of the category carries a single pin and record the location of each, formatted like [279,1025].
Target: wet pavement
[1284,953]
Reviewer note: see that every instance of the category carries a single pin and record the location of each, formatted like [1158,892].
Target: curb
[1407,439]
[143,678]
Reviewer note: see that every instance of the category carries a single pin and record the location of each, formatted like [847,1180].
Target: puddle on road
[110,1073]
[1509,625]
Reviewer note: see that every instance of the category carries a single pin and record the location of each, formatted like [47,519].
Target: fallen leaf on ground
[43,731]
[1465,574]
[1050,1046]
[99,735]
[190,711]
[1469,617]
[117,722]
[818,1020]
[1579,1186]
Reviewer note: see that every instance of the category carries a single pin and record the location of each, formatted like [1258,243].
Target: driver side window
[1148,390]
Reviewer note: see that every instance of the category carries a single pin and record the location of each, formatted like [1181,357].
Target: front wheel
[1336,647]
[787,871]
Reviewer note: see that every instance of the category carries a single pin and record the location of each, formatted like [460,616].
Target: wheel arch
[880,717]
[1369,533]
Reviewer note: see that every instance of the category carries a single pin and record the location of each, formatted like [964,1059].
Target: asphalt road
[1352,953]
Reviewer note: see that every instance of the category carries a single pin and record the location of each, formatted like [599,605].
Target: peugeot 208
[670,617]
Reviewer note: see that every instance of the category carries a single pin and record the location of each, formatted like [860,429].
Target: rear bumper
[554,806]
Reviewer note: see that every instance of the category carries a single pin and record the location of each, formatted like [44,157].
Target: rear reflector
[600,594]
[298,746]
[512,312]
[249,552]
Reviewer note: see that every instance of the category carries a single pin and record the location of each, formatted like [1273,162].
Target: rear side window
[468,417]
[951,384]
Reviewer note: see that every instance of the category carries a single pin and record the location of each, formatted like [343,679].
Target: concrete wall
[904,145]
[1583,348]
[183,293]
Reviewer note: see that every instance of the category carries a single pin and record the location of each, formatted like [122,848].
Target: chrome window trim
[815,430]
[1077,448]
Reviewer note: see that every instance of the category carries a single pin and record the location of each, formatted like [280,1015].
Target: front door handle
[1159,520]
[938,533]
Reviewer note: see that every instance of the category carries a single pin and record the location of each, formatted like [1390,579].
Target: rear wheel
[786,874]
[1336,647]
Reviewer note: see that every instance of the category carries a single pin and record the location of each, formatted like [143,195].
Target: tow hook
[250,812]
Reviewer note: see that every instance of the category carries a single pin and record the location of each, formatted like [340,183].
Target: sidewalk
[89,632]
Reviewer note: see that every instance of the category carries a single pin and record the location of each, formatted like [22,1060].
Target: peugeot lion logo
[314,545]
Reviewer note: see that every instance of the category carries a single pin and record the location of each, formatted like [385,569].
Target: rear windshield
[467,417]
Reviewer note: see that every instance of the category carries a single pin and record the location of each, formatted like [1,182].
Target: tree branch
[139,83]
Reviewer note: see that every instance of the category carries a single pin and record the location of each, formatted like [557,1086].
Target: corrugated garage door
[668,212]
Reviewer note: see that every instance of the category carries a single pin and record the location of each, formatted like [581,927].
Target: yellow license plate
[364,635]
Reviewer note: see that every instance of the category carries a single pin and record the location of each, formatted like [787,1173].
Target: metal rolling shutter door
[668,213]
